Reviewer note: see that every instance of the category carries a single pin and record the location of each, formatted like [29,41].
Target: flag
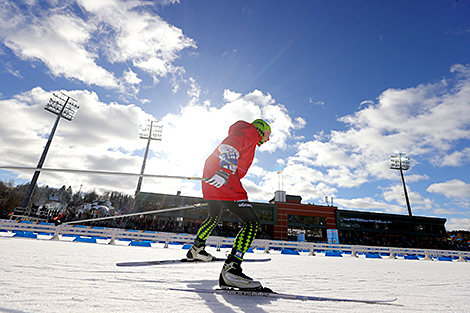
[280,172]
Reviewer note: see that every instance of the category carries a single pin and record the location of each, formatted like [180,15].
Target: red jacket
[244,138]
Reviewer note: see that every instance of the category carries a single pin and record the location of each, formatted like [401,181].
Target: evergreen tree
[90,197]
[10,197]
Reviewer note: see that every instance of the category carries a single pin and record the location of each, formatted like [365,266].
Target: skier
[226,166]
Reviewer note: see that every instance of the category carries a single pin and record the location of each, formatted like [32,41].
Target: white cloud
[231,96]
[395,194]
[458,224]
[319,103]
[58,40]
[451,189]
[168,2]
[75,43]
[456,158]
[194,91]
[369,204]
[10,69]
[131,78]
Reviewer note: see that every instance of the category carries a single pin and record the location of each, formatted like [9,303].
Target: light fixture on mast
[62,106]
[401,162]
[151,130]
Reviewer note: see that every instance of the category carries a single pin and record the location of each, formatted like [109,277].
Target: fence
[146,238]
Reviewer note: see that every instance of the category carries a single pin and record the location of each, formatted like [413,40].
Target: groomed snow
[42,275]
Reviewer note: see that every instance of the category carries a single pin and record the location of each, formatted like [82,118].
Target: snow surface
[41,275]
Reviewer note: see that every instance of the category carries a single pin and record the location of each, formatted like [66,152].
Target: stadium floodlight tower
[401,162]
[151,130]
[62,106]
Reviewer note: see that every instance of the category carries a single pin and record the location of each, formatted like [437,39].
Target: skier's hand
[218,179]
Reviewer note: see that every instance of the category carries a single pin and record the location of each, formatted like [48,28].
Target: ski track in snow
[41,275]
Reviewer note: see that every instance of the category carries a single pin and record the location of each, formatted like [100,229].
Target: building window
[306,221]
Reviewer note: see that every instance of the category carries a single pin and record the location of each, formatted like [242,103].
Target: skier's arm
[228,165]
[228,158]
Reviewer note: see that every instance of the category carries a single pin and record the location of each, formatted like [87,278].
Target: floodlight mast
[401,162]
[62,106]
[150,132]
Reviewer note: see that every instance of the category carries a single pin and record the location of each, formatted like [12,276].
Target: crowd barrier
[146,238]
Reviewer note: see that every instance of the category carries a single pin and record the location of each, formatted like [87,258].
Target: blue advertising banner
[332,235]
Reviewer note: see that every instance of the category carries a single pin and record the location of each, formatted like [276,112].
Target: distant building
[285,217]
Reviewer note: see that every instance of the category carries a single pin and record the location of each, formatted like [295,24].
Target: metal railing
[32,229]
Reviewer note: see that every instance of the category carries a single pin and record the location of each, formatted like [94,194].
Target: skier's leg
[197,251]
[232,274]
[244,211]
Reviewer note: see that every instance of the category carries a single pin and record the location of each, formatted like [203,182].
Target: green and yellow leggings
[244,211]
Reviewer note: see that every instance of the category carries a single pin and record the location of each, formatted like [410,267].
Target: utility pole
[62,106]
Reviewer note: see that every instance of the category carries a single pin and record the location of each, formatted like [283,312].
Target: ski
[268,294]
[162,262]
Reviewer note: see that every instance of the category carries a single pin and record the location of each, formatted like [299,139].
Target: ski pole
[23,168]
[197,205]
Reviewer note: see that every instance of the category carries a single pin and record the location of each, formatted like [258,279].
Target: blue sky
[344,85]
